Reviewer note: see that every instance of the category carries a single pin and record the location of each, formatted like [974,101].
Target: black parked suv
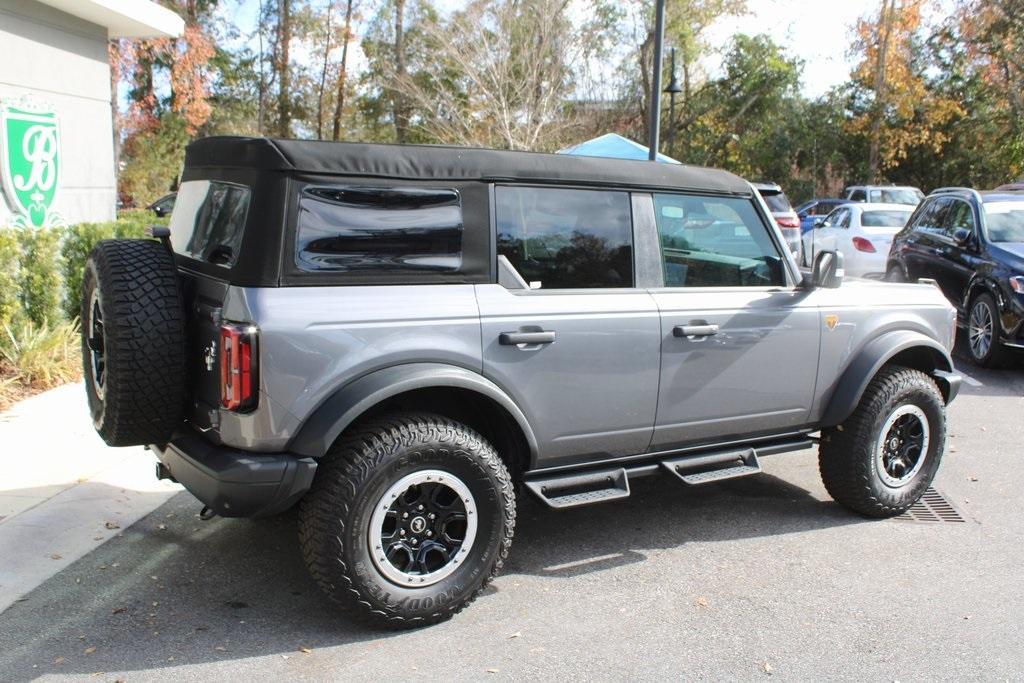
[972,244]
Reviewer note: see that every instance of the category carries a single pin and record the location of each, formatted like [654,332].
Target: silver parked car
[403,339]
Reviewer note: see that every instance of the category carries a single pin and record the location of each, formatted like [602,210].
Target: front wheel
[881,460]
[409,518]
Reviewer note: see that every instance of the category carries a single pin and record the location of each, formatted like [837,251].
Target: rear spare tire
[133,342]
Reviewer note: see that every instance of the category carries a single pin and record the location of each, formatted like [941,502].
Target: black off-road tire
[334,517]
[130,287]
[847,453]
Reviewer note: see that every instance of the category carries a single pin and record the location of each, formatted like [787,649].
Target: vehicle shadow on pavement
[663,513]
[173,590]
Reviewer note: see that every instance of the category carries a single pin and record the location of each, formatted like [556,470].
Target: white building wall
[61,60]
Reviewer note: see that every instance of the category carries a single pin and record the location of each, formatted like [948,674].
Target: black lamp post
[672,89]
[654,123]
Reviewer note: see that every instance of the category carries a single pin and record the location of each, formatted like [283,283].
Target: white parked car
[862,232]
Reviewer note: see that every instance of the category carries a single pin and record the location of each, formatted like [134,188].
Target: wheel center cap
[418,525]
[894,443]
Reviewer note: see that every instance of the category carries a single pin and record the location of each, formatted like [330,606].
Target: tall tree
[399,109]
[342,79]
[283,67]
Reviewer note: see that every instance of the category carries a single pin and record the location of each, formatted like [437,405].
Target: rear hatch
[207,226]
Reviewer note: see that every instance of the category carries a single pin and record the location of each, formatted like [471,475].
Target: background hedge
[41,269]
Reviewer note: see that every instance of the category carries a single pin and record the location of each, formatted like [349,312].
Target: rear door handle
[694,330]
[514,338]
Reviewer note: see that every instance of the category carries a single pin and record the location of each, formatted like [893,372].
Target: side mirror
[818,221]
[961,236]
[828,270]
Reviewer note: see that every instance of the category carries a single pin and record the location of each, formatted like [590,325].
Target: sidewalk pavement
[63,492]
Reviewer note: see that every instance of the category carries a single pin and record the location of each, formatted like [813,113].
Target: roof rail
[958,190]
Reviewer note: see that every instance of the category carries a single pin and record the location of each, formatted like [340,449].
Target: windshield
[897,196]
[1005,221]
[777,202]
[884,219]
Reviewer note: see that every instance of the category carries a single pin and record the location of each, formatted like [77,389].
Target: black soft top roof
[437,162]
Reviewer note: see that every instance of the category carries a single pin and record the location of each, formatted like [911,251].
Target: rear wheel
[895,274]
[983,331]
[409,518]
[885,455]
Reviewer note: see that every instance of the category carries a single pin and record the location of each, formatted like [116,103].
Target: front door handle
[694,330]
[514,338]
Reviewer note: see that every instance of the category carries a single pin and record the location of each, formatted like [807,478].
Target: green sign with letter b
[31,164]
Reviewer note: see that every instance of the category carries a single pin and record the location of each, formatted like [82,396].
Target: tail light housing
[239,363]
[787,221]
[861,244]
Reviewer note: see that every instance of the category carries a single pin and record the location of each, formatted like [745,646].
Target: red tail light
[788,222]
[238,367]
[861,244]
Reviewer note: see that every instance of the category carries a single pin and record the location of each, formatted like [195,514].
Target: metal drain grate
[932,507]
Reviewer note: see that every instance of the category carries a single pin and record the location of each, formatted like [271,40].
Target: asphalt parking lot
[754,578]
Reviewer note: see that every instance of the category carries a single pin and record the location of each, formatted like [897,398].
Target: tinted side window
[858,196]
[363,228]
[566,239]
[208,221]
[715,242]
[960,215]
[930,219]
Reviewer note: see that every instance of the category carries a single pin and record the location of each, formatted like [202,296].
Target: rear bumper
[236,483]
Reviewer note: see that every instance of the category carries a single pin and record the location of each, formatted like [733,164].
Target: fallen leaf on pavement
[118,610]
[220,648]
[492,671]
[112,525]
[89,650]
[55,556]
[304,650]
[517,634]
[767,667]
[161,527]
[701,601]
[59,660]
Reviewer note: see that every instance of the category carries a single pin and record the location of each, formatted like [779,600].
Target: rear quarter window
[352,229]
[208,221]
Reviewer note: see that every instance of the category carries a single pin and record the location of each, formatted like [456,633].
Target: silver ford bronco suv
[402,340]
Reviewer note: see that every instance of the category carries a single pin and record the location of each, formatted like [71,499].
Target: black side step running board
[573,489]
[704,469]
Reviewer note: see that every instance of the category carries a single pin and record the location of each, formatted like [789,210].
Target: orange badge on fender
[831,320]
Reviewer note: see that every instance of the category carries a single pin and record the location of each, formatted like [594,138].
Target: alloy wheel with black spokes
[93,328]
[903,448]
[410,516]
[422,526]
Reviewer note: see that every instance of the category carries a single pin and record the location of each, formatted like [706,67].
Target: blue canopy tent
[613,146]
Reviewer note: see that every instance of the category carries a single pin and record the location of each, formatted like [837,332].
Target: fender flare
[870,359]
[347,403]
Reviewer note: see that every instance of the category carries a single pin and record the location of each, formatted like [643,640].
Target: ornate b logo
[30,142]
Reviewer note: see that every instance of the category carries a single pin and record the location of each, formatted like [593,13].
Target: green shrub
[79,241]
[10,266]
[39,278]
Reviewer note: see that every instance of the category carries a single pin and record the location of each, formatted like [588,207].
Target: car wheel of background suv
[885,455]
[409,518]
[895,274]
[983,331]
